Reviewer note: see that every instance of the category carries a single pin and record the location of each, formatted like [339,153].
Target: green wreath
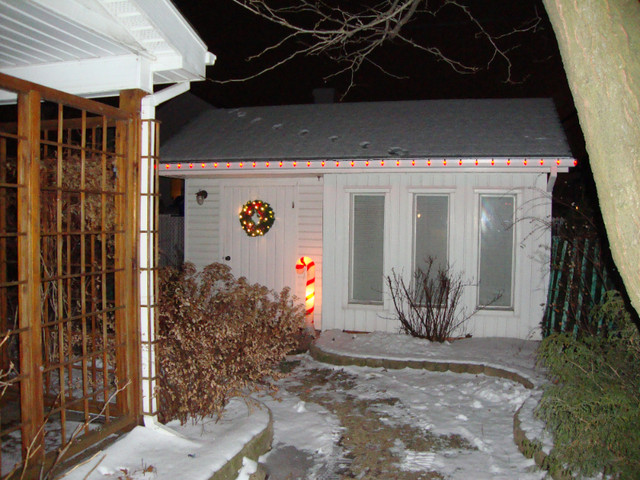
[256,218]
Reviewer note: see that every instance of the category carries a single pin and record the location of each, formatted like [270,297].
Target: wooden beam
[128,320]
[31,402]
[18,85]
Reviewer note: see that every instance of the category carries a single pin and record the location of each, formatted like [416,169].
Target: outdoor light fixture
[200,196]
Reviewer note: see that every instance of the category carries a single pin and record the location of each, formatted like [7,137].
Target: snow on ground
[189,451]
[478,408]
[307,436]
[507,353]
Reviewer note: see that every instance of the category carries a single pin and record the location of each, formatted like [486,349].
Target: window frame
[478,247]
[372,193]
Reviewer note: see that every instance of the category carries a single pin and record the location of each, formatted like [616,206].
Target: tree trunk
[599,42]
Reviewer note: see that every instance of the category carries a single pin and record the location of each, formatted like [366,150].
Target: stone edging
[431,365]
[533,449]
[258,445]
[529,448]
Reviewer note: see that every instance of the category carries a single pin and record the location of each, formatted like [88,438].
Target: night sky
[233,34]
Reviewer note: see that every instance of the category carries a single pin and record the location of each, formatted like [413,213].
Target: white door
[270,259]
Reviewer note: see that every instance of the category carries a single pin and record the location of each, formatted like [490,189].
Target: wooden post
[31,401]
[4,306]
[127,320]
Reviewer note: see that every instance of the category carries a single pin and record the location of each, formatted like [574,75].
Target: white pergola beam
[99,77]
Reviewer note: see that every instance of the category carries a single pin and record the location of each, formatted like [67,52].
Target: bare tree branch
[350,35]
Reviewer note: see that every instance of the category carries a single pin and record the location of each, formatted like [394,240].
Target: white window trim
[363,190]
[515,286]
[381,191]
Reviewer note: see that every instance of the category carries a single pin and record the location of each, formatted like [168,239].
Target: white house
[367,188]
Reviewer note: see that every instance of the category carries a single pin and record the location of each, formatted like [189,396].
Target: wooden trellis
[69,305]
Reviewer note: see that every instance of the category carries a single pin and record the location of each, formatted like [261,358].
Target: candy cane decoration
[310,294]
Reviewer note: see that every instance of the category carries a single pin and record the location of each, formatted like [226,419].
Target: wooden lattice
[68,273]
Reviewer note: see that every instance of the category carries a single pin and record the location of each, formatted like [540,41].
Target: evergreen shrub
[592,404]
[219,337]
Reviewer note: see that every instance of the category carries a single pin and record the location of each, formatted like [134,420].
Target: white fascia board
[467,166]
[98,77]
[91,15]
[168,61]
[178,34]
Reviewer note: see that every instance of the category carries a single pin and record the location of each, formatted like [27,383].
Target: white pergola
[96,49]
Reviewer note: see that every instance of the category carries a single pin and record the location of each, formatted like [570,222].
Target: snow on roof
[414,129]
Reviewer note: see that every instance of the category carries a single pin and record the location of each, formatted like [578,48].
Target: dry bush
[428,306]
[219,337]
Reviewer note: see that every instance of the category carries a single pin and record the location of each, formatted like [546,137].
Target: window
[431,231]
[496,251]
[367,242]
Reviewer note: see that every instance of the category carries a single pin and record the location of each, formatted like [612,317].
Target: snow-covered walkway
[326,418]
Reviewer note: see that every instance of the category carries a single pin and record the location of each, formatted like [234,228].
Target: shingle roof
[414,129]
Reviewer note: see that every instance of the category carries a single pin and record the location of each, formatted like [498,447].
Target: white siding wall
[310,192]
[532,245]
[203,226]
[202,223]
[323,235]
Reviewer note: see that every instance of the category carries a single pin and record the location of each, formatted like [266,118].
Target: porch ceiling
[95,48]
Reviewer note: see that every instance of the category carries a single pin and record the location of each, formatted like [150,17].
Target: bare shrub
[428,305]
[219,337]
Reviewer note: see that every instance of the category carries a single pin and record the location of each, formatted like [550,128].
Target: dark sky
[233,34]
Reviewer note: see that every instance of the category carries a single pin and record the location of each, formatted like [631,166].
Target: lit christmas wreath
[256,218]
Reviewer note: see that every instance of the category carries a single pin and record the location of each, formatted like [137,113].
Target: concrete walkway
[502,357]
[512,359]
